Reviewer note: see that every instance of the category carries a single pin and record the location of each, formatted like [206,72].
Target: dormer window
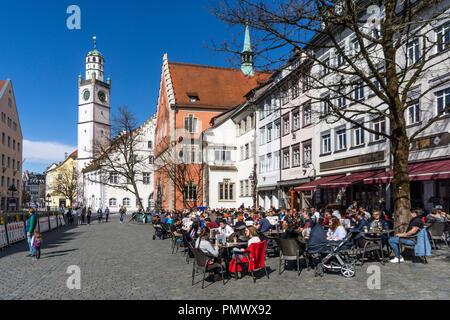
[193,97]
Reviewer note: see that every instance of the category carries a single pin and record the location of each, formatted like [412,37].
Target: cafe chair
[290,250]
[436,232]
[253,258]
[201,261]
[415,238]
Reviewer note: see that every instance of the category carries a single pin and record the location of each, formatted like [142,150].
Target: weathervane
[95,41]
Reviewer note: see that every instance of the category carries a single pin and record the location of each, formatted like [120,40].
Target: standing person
[107,214]
[79,215]
[31,225]
[89,213]
[99,215]
[122,212]
[83,214]
[62,211]
[37,241]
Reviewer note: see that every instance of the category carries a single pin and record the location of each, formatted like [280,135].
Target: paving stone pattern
[121,261]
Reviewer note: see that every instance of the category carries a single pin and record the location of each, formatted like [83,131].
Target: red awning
[314,184]
[430,170]
[347,181]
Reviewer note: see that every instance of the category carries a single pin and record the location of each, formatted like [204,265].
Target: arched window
[112,202]
[126,202]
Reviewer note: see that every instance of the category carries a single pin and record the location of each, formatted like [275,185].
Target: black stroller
[333,255]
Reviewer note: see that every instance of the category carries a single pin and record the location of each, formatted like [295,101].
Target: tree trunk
[400,183]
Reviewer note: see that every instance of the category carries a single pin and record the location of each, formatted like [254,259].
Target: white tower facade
[94,122]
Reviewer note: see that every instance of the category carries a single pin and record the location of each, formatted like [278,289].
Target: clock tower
[94,123]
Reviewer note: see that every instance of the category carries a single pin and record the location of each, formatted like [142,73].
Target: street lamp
[48,201]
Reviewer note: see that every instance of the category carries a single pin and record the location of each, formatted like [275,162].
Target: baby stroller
[333,255]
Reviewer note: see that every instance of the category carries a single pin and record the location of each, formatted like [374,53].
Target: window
[325,106]
[379,125]
[190,124]
[15,126]
[287,125]
[241,188]
[276,160]
[222,155]
[338,57]
[8,184]
[9,142]
[443,101]
[261,136]
[60,176]
[114,178]
[295,89]
[150,145]
[242,153]
[14,144]
[112,202]
[261,164]
[151,160]
[296,124]
[126,202]
[9,122]
[358,93]
[307,115]
[286,159]
[341,102]
[307,81]
[285,96]
[326,143]
[341,139]
[14,163]
[277,130]
[191,191]
[146,177]
[247,151]
[247,188]
[413,52]
[261,112]
[269,132]
[443,37]
[358,136]
[296,157]
[307,153]
[354,44]
[268,162]
[3,138]
[243,127]
[326,65]
[413,114]
[59,186]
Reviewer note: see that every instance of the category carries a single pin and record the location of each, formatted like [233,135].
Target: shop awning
[347,181]
[316,183]
[430,170]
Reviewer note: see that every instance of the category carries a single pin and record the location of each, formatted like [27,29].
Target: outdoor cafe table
[274,232]
[375,236]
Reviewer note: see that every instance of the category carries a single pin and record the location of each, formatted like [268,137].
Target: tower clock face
[86,95]
[102,96]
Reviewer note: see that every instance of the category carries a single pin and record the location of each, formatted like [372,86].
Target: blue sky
[44,58]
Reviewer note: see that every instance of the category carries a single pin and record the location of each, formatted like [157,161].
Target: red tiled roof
[214,86]
[74,154]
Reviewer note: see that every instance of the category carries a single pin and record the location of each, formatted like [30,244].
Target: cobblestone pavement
[121,261]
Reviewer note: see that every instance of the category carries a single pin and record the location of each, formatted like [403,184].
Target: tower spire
[95,42]
[247,54]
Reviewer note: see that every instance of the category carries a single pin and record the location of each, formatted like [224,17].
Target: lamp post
[48,201]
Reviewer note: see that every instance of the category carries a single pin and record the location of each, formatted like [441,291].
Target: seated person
[248,220]
[225,229]
[211,224]
[337,231]
[205,246]
[362,209]
[377,223]
[326,220]
[263,224]
[414,227]
[360,225]
[177,229]
[252,235]
[435,215]
[240,222]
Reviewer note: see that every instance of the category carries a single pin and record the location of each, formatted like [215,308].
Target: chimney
[66,155]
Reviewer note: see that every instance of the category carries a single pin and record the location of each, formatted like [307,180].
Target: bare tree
[122,163]
[180,163]
[67,184]
[395,45]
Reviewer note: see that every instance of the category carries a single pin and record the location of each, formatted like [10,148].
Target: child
[37,241]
